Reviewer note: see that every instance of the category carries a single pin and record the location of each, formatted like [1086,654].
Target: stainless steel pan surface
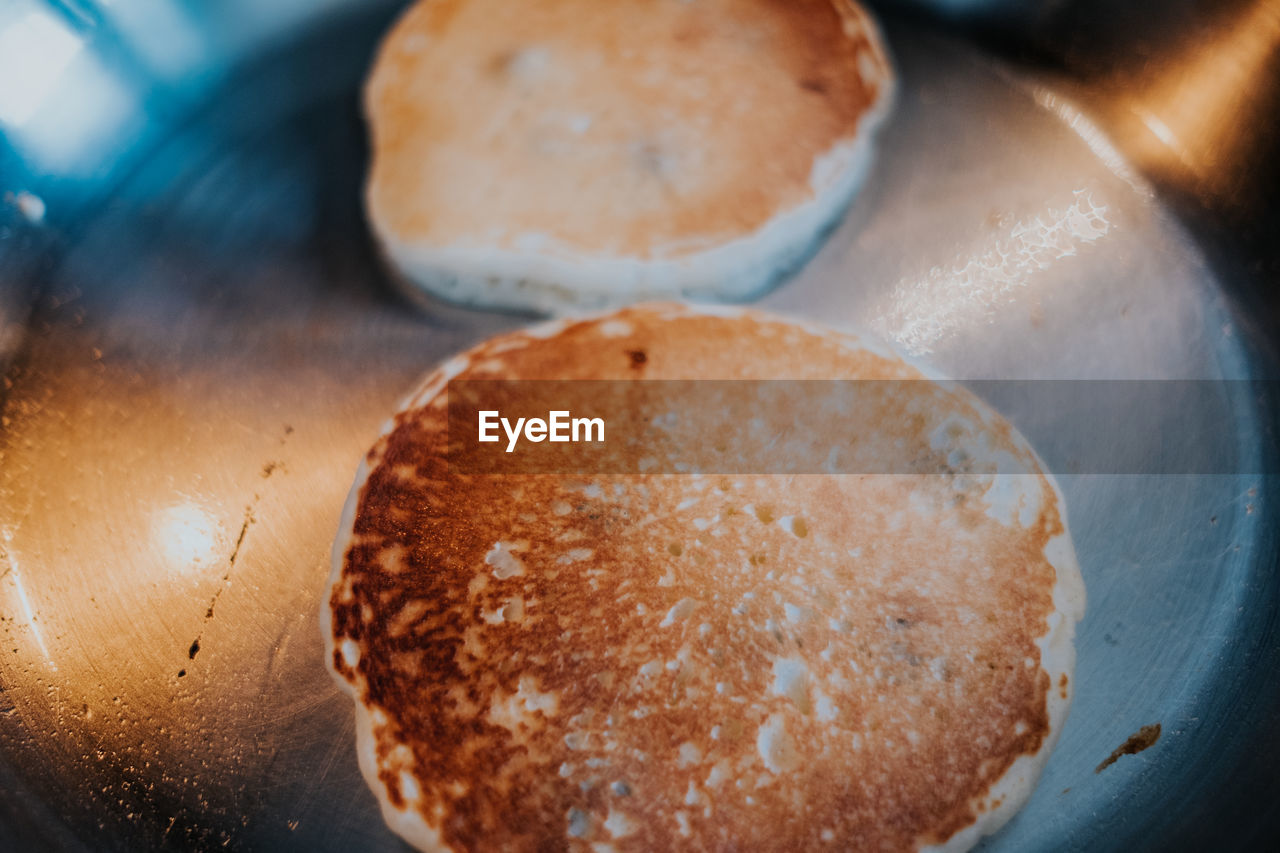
[212,345]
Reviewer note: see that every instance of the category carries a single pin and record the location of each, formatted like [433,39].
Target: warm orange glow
[186,535]
[1194,111]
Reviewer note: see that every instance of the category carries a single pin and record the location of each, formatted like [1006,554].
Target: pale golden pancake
[559,153]
[670,661]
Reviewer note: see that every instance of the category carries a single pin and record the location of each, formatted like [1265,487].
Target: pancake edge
[1003,798]
[557,279]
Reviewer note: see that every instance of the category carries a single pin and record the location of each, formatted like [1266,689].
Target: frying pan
[199,343]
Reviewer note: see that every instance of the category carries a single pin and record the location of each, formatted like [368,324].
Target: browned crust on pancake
[933,634]
[706,118]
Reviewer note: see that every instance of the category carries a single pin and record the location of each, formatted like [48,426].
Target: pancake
[661,661]
[556,154]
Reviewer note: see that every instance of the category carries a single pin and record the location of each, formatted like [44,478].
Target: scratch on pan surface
[28,612]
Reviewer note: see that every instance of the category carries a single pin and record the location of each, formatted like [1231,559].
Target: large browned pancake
[553,153]
[708,662]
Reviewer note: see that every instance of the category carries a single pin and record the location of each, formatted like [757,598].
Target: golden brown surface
[630,127]
[723,662]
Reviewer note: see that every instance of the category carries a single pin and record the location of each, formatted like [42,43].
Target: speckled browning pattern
[720,662]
